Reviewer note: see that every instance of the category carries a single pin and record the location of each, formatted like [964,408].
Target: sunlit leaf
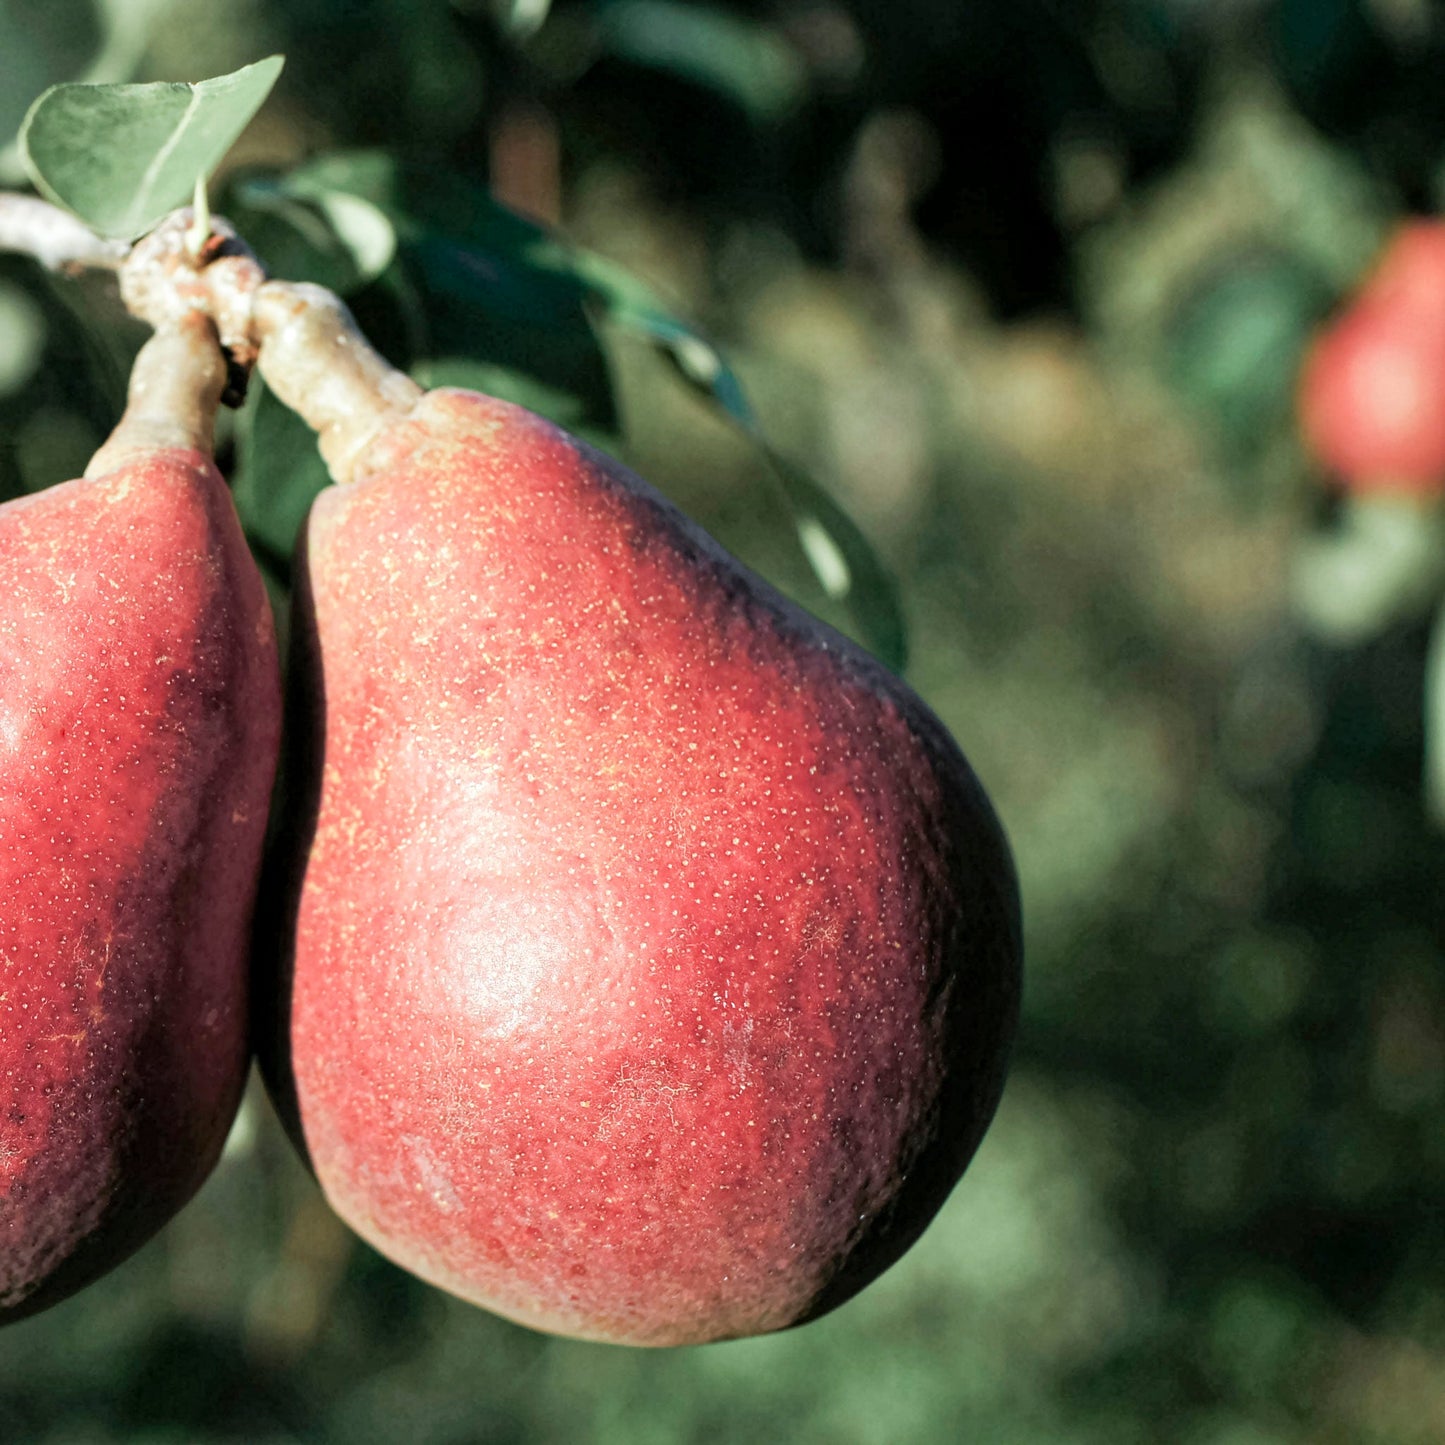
[1383,564]
[847,567]
[339,240]
[122,156]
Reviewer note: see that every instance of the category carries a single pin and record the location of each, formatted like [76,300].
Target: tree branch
[54,237]
[309,348]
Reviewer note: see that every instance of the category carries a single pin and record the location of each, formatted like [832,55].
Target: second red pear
[650,955]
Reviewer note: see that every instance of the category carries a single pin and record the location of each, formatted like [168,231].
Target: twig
[310,350]
[164,277]
[54,237]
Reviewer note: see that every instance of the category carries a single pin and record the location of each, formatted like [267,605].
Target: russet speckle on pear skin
[656,955]
[139,723]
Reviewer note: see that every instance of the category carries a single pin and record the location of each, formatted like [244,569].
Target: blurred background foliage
[1027,285]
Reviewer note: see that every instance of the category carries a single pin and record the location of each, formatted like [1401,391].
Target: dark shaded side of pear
[140,716]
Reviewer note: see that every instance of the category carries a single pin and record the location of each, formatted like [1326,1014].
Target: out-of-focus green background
[1026,283]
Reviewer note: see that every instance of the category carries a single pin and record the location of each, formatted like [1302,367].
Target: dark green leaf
[728,53]
[279,473]
[483,285]
[40,46]
[845,563]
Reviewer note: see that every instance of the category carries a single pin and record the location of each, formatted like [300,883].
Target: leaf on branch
[476,282]
[331,236]
[107,46]
[123,156]
[749,62]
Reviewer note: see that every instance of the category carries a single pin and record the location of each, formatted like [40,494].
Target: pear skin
[649,955]
[139,726]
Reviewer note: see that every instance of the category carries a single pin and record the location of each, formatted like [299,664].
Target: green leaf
[122,156]
[41,45]
[1233,343]
[711,47]
[340,240]
[279,473]
[39,48]
[483,284]
[844,562]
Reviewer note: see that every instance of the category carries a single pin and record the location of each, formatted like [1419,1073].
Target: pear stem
[309,349]
[175,388]
[314,357]
[163,278]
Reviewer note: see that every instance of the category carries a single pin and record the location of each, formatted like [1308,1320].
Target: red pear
[650,953]
[139,722]
[1372,390]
